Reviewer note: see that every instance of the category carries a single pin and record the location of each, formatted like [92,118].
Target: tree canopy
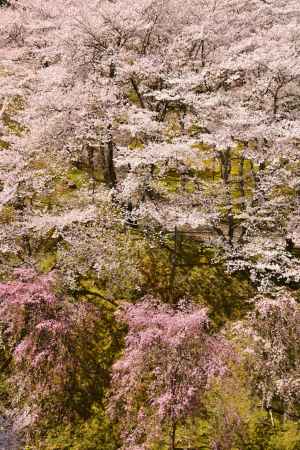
[149,223]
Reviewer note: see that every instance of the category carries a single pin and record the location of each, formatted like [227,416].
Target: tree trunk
[173,436]
[110,174]
[109,167]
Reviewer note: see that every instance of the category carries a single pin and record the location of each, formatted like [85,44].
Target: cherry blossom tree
[43,332]
[273,350]
[169,360]
[222,93]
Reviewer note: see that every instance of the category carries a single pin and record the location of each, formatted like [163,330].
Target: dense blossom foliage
[202,95]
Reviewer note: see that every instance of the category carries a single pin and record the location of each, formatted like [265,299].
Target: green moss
[283,191]
[59,196]
[211,170]
[13,126]
[171,181]
[89,284]
[78,177]
[237,150]
[96,433]
[190,187]
[47,262]
[133,97]
[288,438]
[136,144]
[196,129]
[16,104]
[7,214]
[39,164]
[236,167]
[201,146]
[197,278]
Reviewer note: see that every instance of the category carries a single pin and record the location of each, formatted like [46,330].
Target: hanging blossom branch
[272,353]
[43,331]
[169,361]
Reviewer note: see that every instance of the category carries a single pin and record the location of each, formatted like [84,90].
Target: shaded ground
[8,439]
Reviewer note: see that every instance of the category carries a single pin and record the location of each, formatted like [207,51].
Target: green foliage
[210,170]
[133,97]
[287,437]
[197,277]
[78,177]
[195,129]
[13,126]
[234,419]
[5,360]
[47,263]
[96,433]
[171,181]
[4,144]
[7,214]
[136,144]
